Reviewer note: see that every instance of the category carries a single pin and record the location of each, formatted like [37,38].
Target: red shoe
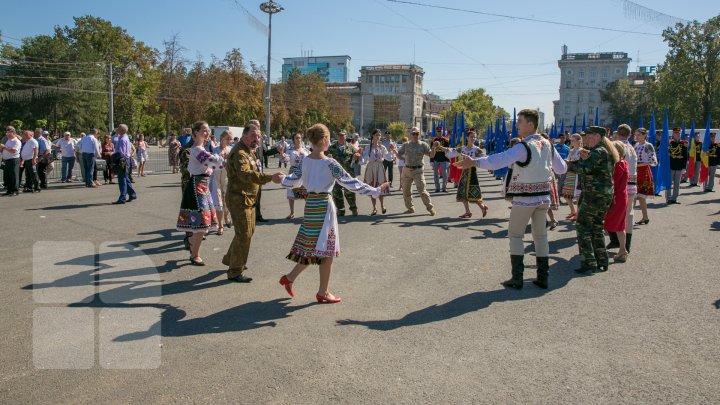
[466,215]
[484,210]
[326,298]
[288,285]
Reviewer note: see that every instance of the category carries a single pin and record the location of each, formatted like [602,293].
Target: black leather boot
[628,241]
[543,270]
[518,268]
[614,241]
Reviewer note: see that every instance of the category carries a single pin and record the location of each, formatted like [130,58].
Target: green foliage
[397,129]
[17,124]
[479,109]
[43,123]
[625,101]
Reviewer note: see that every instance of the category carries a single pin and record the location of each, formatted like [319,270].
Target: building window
[404,78]
[605,74]
[581,74]
[568,72]
[617,71]
[568,84]
[593,73]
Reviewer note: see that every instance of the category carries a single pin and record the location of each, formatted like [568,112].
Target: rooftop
[392,67]
[595,56]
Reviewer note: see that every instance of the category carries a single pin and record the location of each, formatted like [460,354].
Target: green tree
[625,100]
[478,106]
[397,129]
[688,82]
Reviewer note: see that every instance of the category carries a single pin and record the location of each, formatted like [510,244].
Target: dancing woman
[197,213]
[468,189]
[646,158]
[318,240]
[294,157]
[218,183]
[373,156]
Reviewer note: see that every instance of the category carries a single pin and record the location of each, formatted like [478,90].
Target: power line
[412,3]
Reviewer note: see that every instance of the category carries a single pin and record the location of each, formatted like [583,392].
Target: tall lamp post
[270,8]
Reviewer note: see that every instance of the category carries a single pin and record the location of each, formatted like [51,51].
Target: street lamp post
[270,8]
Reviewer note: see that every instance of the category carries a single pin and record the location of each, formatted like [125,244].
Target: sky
[513,58]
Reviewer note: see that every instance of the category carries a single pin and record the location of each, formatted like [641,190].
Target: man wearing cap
[345,153]
[595,169]
[413,153]
[389,159]
[534,163]
[440,162]
[44,156]
[678,161]
[698,161]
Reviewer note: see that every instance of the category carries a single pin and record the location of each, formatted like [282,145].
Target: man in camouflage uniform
[244,180]
[595,169]
[345,153]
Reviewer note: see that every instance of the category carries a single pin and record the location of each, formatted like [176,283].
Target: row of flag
[496,141]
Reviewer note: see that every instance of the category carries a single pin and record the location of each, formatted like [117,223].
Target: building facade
[582,77]
[390,93]
[332,69]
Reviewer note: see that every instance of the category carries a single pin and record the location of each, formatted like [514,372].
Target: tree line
[61,82]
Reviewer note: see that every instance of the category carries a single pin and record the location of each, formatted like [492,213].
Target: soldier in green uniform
[345,153]
[244,181]
[595,169]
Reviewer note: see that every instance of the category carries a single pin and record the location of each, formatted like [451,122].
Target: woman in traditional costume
[318,240]
[197,214]
[646,158]
[570,190]
[373,157]
[468,186]
[294,157]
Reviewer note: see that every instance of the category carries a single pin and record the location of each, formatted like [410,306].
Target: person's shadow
[252,315]
[560,274]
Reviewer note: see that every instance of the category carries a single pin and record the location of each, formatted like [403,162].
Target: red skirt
[615,217]
[645,184]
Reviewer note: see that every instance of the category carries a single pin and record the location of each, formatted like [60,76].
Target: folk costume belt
[415,167]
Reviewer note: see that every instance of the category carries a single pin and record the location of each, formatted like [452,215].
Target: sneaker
[553,225]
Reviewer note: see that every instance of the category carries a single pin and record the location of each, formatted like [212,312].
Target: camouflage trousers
[591,240]
[337,194]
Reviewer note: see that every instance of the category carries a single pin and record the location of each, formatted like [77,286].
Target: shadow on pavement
[561,272]
[68,207]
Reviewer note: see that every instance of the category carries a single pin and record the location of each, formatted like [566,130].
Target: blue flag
[514,126]
[583,123]
[453,137]
[575,125]
[562,126]
[462,128]
[501,143]
[651,140]
[597,115]
[489,146]
[663,181]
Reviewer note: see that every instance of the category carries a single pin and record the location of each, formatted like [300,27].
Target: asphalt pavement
[101,305]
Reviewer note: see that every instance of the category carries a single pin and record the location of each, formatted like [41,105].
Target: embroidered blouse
[200,160]
[320,175]
[646,153]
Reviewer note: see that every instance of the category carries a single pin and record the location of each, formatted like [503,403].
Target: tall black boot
[628,241]
[614,241]
[543,270]
[518,268]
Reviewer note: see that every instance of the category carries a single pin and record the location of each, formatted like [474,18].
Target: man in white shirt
[90,149]
[534,162]
[11,157]
[66,144]
[28,162]
[389,159]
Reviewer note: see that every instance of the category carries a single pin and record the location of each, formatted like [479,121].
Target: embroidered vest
[534,176]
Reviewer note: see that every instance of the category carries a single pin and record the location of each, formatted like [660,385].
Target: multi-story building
[332,69]
[433,109]
[384,94]
[582,77]
[390,93]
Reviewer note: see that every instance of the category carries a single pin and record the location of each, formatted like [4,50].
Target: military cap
[595,130]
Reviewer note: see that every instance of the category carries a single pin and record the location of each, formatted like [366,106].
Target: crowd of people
[599,174]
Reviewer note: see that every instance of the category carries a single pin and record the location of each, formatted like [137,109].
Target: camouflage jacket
[345,158]
[595,172]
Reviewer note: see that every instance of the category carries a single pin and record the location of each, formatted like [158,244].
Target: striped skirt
[318,236]
[569,188]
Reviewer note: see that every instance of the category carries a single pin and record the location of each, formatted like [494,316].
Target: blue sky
[515,60]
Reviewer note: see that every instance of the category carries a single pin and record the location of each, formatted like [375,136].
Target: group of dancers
[602,176]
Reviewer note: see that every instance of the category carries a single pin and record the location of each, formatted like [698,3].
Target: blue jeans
[124,184]
[445,169]
[88,161]
[67,167]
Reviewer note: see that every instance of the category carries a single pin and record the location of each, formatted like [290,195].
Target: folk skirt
[197,212]
[645,184]
[468,187]
[318,235]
